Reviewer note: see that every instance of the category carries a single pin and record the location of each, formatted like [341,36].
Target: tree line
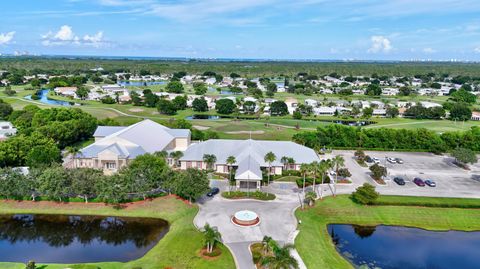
[339,136]
[147,175]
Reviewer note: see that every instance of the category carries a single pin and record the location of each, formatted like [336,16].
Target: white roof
[257,149]
[146,136]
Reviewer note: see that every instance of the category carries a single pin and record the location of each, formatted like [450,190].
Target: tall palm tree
[211,236]
[269,158]
[281,258]
[314,169]
[284,161]
[337,162]
[324,166]
[290,162]
[176,155]
[210,160]
[230,161]
[304,169]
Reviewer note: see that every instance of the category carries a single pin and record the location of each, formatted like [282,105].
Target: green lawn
[317,250]
[178,249]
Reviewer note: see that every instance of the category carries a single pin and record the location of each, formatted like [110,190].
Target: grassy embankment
[178,249]
[315,245]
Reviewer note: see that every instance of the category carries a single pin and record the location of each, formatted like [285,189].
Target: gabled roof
[103,131]
[146,136]
[248,168]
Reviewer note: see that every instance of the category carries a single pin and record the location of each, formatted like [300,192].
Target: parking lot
[451,180]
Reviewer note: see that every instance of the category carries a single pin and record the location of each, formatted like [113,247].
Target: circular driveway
[277,219]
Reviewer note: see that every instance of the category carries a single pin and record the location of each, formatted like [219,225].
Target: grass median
[315,245]
[178,249]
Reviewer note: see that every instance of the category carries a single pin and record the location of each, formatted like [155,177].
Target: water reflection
[403,247]
[69,239]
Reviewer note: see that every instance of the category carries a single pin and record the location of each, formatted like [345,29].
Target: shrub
[343,172]
[258,195]
[378,171]
[365,194]
[291,173]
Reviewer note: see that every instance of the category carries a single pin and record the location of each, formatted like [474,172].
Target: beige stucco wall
[181,143]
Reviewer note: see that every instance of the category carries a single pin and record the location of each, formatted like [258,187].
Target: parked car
[369,159]
[391,160]
[213,191]
[419,182]
[430,183]
[400,181]
[333,173]
[398,160]
[376,160]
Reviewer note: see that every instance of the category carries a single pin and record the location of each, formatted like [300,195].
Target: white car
[376,160]
[391,160]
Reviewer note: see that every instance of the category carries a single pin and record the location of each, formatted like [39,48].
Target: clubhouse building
[115,146]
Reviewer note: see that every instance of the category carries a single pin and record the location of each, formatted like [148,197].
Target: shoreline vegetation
[421,212]
[179,248]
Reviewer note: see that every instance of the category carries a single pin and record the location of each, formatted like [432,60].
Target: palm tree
[176,155]
[210,160]
[269,158]
[314,169]
[324,166]
[211,236]
[337,162]
[230,161]
[281,259]
[304,169]
[268,244]
[290,162]
[284,161]
[161,154]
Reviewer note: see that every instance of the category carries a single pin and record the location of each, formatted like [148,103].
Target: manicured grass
[288,179]
[257,195]
[315,245]
[428,201]
[178,249]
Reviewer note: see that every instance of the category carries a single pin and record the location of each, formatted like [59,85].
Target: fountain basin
[246,218]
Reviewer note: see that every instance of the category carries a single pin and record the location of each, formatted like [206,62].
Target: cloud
[6,38]
[476,50]
[380,44]
[429,50]
[66,36]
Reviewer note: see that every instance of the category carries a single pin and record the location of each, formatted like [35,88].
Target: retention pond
[403,247]
[77,239]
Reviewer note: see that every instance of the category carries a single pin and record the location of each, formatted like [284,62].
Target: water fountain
[245,218]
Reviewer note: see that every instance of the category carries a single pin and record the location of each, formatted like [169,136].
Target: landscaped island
[314,237]
[179,248]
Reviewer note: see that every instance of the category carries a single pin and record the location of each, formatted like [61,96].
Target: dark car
[399,161]
[213,191]
[369,159]
[399,181]
[430,183]
[419,182]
